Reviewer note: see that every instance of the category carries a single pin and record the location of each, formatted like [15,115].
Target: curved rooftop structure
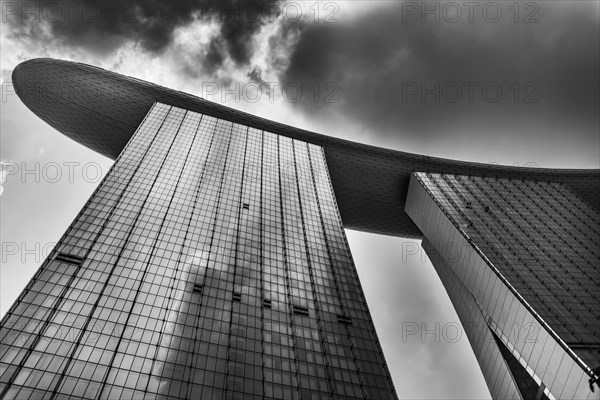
[101,110]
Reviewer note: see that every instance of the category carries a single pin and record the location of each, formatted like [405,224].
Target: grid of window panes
[210,263]
[542,238]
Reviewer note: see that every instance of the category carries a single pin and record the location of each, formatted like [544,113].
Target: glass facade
[519,260]
[211,262]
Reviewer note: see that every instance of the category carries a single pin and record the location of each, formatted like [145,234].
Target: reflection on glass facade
[211,262]
[519,260]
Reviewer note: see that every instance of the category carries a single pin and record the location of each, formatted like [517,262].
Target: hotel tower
[211,261]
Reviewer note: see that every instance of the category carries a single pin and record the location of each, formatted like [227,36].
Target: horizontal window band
[197,288]
[299,310]
[68,258]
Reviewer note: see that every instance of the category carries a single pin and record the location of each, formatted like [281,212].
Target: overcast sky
[498,82]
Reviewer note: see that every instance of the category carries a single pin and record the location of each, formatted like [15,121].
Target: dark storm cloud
[101,27]
[256,76]
[396,73]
